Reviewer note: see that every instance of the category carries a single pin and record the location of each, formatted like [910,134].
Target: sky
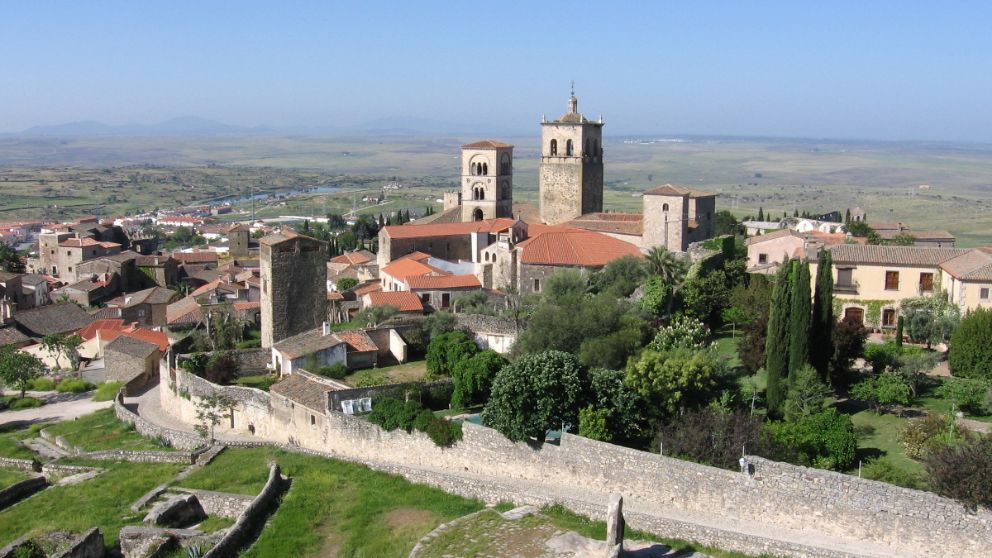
[862,69]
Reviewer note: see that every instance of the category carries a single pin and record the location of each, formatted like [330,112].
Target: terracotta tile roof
[306,343]
[831,239]
[918,235]
[670,190]
[574,248]
[332,295]
[246,305]
[973,265]
[619,223]
[185,311]
[212,285]
[367,288]
[772,236]
[79,242]
[202,256]
[157,338]
[405,301]
[448,229]
[154,295]
[450,215]
[153,261]
[108,328]
[239,228]
[892,255]
[353,258]
[442,281]
[358,341]
[300,389]
[406,267]
[486,144]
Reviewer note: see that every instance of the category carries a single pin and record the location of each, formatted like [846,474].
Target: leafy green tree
[882,391]
[448,351]
[536,393]
[859,229]
[620,277]
[807,394]
[821,343]
[10,260]
[18,368]
[439,323]
[665,264]
[902,240]
[211,410]
[224,328]
[657,297]
[61,345]
[675,380]
[930,319]
[755,299]
[716,437]
[372,316]
[724,222]
[849,343]
[971,352]
[825,440]
[777,342]
[473,378]
[625,417]
[592,424]
[705,297]
[475,302]
[967,394]
[799,320]
[345,283]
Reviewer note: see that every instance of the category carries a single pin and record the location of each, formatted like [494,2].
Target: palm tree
[671,268]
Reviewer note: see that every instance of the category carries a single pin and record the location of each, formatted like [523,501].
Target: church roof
[670,190]
[574,247]
[487,144]
[448,229]
[618,223]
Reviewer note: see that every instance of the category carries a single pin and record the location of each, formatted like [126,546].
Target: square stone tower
[294,285]
[571,173]
[674,217]
[237,241]
[487,180]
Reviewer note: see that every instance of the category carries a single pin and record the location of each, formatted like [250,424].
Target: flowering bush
[683,332]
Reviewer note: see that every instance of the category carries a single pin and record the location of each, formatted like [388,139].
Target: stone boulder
[179,511]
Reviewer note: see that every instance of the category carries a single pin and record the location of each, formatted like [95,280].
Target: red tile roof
[203,256]
[405,301]
[442,281]
[574,248]
[448,229]
[103,325]
[618,223]
[669,190]
[353,258]
[367,288]
[154,337]
[357,340]
[404,267]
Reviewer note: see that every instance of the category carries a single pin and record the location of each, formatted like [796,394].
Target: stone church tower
[487,180]
[571,173]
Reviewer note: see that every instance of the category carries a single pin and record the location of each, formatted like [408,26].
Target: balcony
[846,288]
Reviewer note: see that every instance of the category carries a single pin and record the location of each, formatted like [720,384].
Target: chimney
[326,328]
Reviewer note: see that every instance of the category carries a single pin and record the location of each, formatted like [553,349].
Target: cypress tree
[761,214]
[777,341]
[801,316]
[847,216]
[899,327]
[821,333]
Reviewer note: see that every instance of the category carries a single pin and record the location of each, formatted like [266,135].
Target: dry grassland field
[927,185]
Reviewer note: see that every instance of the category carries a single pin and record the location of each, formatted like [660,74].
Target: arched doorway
[477,215]
[855,314]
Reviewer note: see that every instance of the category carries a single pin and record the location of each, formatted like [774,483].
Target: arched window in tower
[554,147]
[664,207]
[477,215]
[504,165]
[568,148]
[485,169]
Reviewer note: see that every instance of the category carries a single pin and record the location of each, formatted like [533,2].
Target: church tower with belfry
[487,180]
[571,170]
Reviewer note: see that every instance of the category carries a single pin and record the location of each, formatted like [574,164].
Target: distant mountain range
[196,126]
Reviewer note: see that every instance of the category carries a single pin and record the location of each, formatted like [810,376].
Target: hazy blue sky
[859,69]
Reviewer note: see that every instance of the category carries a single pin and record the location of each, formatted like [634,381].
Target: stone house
[490,332]
[923,238]
[432,285]
[294,285]
[238,239]
[320,347]
[11,288]
[147,307]
[132,361]
[160,270]
[60,253]
[766,252]
[54,318]
[447,241]
[362,350]
[967,279]
[91,290]
[540,256]
[36,292]
[123,264]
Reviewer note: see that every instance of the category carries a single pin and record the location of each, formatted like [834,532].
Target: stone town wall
[20,490]
[21,464]
[250,361]
[777,496]
[178,438]
[251,521]
[397,391]
[89,545]
[222,504]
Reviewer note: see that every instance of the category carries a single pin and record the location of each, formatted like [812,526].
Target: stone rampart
[250,522]
[88,545]
[725,508]
[21,490]
[20,464]
[178,438]
[397,391]
[221,504]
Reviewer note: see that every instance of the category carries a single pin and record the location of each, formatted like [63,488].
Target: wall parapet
[20,464]
[178,438]
[252,519]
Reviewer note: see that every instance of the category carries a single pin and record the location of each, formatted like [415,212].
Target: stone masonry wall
[251,521]
[178,438]
[820,504]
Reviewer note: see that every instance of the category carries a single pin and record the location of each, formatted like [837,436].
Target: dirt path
[77,406]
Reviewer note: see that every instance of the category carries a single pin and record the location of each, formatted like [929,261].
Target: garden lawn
[11,435]
[407,372]
[102,501]
[103,431]
[879,433]
[725,345]
[10,476]
[333,508]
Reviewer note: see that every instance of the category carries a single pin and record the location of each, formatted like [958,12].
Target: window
[845,277]
[568,148]
[313,420]
[664,207]
[425,298]
[553,148]
[926,282]
[762,258]
[485,169]
[983,293]
[537,285]
[892,280]
[445,300]
[889,317]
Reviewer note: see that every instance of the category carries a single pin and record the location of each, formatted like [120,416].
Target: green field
[115,175]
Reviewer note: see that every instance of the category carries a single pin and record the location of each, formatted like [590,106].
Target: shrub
[74,385]
[43,383]
[221,368]
[825,440]
[922,435]
[371,377]
[393,414]
[683,332]
[25,403]
[849,343]
[715,437]
[473,379]
[882,355]
[592,424]
[345,283]
[971,353]
[963,471]
[881,469]
[335,371]
[883,390]
[967,394]
[107,391]
[448,350]
[260,381]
